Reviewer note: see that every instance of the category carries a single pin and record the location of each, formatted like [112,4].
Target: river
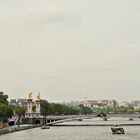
[78,132]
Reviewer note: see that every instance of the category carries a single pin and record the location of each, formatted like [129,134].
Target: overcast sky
[70,49]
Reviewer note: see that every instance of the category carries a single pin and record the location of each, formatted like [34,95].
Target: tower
[29,111]
[38,112]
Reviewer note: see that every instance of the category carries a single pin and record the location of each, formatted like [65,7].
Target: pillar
[38,112]
[29,111]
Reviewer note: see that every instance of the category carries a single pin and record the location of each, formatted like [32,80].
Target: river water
[78,132]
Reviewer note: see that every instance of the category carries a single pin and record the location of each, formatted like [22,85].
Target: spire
[38,97]
[37,112]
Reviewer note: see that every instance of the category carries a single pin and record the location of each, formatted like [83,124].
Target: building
[91,103]
[13,102]
[18,102]
[123,104]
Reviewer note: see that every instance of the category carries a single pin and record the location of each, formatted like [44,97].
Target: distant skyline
[70,49]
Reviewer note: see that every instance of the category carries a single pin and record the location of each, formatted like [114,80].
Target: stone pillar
[38,112]
[29,111]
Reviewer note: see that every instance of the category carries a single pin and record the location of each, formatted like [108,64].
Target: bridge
[52,120]
[76,118]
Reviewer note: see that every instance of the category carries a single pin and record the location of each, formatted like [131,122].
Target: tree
[45,107]
[57,109]
[3,98]
[4,109]
[17,109]
[4,112]
[85,110]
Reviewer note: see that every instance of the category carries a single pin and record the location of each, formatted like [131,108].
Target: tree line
[61,109]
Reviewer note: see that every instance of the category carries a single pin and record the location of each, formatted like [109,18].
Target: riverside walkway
[16,128]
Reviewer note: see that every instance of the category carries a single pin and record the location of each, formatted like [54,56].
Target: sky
[70,49]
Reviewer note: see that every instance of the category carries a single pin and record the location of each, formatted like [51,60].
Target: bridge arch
[37,121]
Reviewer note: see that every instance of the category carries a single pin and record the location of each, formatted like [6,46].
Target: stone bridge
[50,120]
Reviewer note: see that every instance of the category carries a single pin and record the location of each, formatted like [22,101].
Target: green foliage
[117,110]
[6,111]
[85,110]
[3,98]
[17,109]
[61,109]
[137,110]
[4,108]
[45,107]
[56,109]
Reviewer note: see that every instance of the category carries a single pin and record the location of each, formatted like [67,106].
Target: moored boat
[117,130]
[130,119]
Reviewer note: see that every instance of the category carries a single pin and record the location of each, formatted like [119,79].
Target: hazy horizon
[70,49]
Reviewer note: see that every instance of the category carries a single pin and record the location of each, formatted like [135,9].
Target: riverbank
[17,128]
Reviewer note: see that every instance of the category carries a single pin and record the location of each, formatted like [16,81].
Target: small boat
[131,119]
[45,127]
[117,130]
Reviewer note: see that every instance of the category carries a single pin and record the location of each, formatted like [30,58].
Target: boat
[130,119]
[45,127]
[117,129]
